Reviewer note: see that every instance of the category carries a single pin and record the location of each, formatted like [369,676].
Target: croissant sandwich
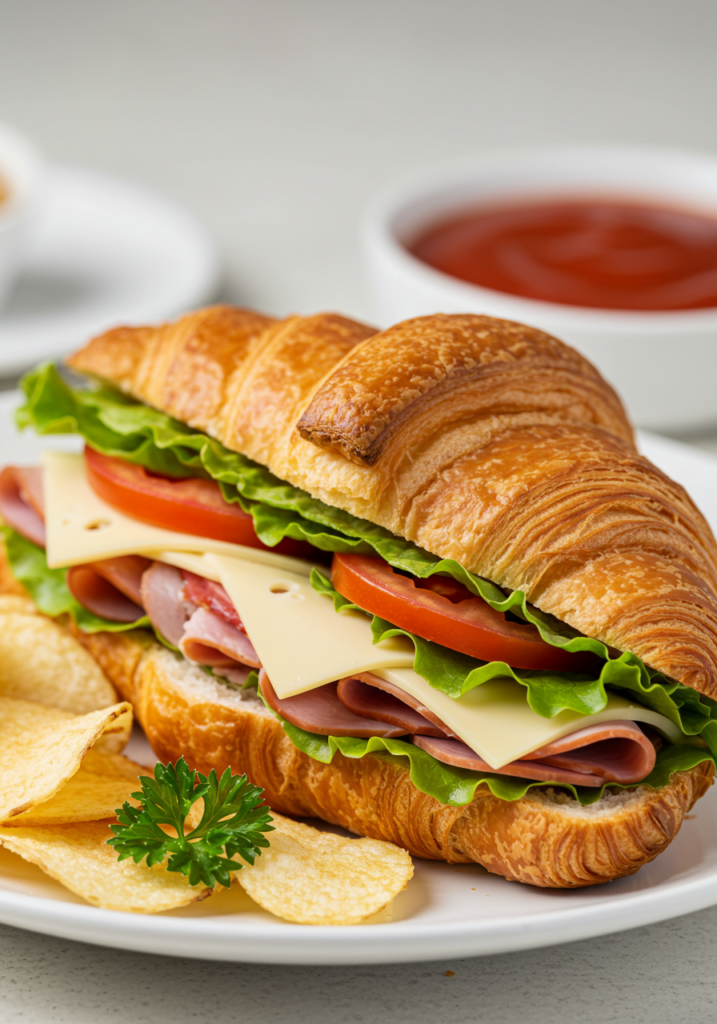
[418,583]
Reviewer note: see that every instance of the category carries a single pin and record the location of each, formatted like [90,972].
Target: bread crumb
[450,974]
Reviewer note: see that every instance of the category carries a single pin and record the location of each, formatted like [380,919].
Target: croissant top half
[479,439]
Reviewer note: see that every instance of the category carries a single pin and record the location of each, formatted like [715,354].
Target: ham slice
[460,755]
[607,752]
[111,588]
[200,635]
[212,596]
[322,712]
[21,501]
[161,592]
[125,573]
[237,675]
[209,640]
[97,595]
[590,734]
[372,702]
[441,729]
[619,752]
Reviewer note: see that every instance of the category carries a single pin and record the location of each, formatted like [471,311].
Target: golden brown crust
[118,353]
[543,842]
[481,440]
[266,397]
[181,367]
[545,838]
[429,374]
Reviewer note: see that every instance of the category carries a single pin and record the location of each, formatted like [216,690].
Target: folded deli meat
[435,543]
[197,616]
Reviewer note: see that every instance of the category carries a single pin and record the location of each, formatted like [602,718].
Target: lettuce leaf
[457,786]
[48,587]
[549,693]
[117,425]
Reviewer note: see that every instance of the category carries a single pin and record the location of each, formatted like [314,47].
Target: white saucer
[105,252]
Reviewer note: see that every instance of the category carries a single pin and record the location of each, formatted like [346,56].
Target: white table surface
[273,121]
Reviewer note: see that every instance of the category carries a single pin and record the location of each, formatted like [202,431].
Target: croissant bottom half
[546,838]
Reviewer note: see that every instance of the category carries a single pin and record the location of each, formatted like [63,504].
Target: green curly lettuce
[548,693]
[116,425]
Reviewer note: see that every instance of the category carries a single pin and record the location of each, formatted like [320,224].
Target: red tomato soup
[604,253]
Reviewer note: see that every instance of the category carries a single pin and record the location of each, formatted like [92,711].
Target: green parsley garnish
[232,824]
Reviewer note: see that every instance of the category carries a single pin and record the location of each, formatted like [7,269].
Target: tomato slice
[443,610]
[190,505]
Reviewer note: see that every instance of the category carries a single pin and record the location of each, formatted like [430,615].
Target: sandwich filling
[356,639]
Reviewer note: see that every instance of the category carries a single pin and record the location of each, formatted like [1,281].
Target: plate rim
[206,263]
[282,942]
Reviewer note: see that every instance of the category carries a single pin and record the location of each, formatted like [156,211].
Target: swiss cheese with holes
[299,638]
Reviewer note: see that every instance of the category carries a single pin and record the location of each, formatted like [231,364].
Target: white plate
[447,910]
[104,252]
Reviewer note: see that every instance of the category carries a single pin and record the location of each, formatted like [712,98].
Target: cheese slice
[496,721]
[81,527]
[301,641]
[201,565]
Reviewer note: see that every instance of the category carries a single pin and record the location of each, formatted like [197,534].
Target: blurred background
[273,121]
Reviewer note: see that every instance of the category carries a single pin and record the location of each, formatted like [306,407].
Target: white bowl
[664,364]
[20,170]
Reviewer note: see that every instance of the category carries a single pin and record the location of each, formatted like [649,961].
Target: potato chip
[41,748]
[95,792]
[78,857]
[40,661]
[313,877]
[117,733]
[58,790]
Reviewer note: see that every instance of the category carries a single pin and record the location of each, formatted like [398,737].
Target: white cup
[664,364]
[20,175]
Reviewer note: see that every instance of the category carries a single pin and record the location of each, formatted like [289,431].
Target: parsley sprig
[232,823]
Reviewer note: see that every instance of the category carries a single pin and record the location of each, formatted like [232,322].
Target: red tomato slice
[187,505]
[443,610]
